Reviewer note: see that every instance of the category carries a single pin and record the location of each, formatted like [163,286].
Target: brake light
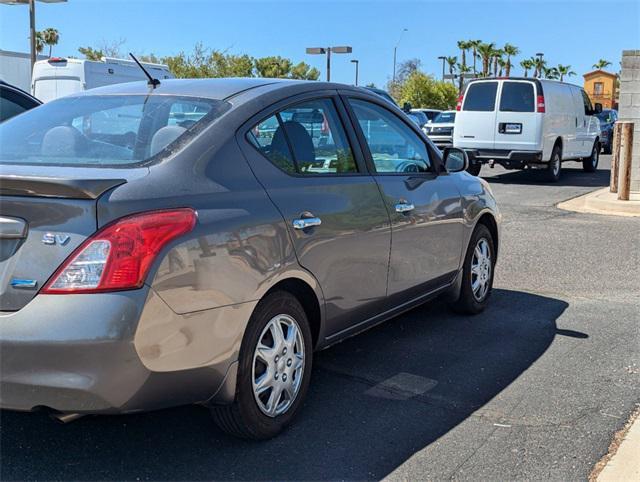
[540,104]
[459,104]
[55,60]
[118,257]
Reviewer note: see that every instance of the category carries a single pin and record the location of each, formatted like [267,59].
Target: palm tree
[601,64]
[497,55]
[564,70]
[509,51]
[486,52]
[502,64]
[463,45]
[539,63]
[473,45]
[39,42]
[50,37]
[527,65]
[462,69]
[452,61]
[551,73]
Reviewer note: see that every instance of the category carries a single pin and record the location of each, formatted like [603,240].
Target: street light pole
[443,59]
[395,52]
[32,31]
[327,51]
[539,66]
[357,62]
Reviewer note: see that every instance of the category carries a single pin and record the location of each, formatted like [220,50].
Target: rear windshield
[108,130]
[481,96]
[445,117]
[517,97]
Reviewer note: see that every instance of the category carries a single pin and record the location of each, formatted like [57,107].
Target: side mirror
[598,108]
[455,160]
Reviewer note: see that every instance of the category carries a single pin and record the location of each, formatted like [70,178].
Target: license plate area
[510,128]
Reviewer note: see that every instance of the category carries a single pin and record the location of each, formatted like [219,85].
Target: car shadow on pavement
[375,400]
[570,176]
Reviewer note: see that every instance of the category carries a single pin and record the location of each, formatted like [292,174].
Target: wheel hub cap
[481,269]
[278,365]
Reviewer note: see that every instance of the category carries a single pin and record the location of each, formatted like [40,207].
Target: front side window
[481,97]
[307,139]
[102,131]
[517,97]
[394,146]
[588,108]
[445,118]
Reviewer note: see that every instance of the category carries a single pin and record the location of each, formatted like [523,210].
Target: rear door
[580,122]
[517,121]
[312,170]
[476,121]
[425,208]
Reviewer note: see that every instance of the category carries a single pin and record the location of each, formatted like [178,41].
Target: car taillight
[540,104]
[459,104]
[118,257]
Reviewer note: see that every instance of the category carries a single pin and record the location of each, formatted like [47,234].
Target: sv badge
[52,239]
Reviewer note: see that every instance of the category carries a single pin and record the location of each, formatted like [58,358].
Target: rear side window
[481,97]
[307,139]
[517,97]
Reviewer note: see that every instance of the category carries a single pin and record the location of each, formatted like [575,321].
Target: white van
[527,123]
[57,77]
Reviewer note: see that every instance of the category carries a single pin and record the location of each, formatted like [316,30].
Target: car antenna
[152,82]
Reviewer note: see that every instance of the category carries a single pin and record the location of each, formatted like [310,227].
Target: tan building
[601,87]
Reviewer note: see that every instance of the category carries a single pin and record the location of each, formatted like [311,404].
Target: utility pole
[443,58]
[395,52]
[357,63]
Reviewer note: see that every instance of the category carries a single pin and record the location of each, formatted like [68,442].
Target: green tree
[304,71]
[564,70]
[509,51]
[452,62]
[473,45]
[50,37]
[550,73]
[539,64]
[39,42]
[497,57]
[464,45]
[422,90]
[462,70]
[273,67]
[90,53]
[601,64]
[527,65]
[486,51]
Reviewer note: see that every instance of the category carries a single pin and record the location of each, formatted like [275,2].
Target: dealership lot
[533,388]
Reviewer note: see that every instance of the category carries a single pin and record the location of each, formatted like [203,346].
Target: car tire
[477,269]
[474,168]
[590,164]
[554,167]
[254,416]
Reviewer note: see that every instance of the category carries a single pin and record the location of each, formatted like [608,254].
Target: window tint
[481,96]
[394,147]
[307,138]
[444,117]
[517,97]
[588,108]
[9,108]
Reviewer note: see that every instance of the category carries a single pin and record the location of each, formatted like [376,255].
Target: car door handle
[404,207]
[304,223]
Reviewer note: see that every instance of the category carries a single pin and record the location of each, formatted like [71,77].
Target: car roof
[217,89]
[7,85]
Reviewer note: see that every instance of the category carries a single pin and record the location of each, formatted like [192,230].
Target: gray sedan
[197,241]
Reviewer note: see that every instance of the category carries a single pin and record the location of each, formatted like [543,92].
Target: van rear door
[475,123]
[518,125]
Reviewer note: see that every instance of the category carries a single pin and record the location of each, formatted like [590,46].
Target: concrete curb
[603,202]
[624,464]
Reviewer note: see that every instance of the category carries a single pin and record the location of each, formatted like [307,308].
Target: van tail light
[118,256]
[459,104]
[540,104]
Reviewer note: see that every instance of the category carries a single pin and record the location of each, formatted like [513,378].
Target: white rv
[527,123]
[57,77]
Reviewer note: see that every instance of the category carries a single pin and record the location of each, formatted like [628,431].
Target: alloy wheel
[481,267]
[278,365]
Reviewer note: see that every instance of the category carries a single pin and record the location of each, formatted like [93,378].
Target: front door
[331,204]
[425,208]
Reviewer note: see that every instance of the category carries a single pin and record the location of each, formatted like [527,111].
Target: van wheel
[555,165]
[477,273]
[590,164]
[273,372]
[474,168]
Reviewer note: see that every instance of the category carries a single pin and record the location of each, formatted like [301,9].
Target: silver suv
[197,241]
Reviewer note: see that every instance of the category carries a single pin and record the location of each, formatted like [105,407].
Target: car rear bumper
[84,354]
[511,159]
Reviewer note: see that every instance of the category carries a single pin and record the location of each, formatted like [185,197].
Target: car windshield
[443,117]
[103,130]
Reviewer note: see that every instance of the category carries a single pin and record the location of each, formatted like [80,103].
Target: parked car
[205,264]
[14,101]
[430,113]
[58,76]
[440,129]
[527,123]
[607,120]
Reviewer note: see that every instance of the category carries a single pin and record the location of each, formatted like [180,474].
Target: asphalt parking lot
[533,388]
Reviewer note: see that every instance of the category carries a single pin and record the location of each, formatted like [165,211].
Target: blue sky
[568,32]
